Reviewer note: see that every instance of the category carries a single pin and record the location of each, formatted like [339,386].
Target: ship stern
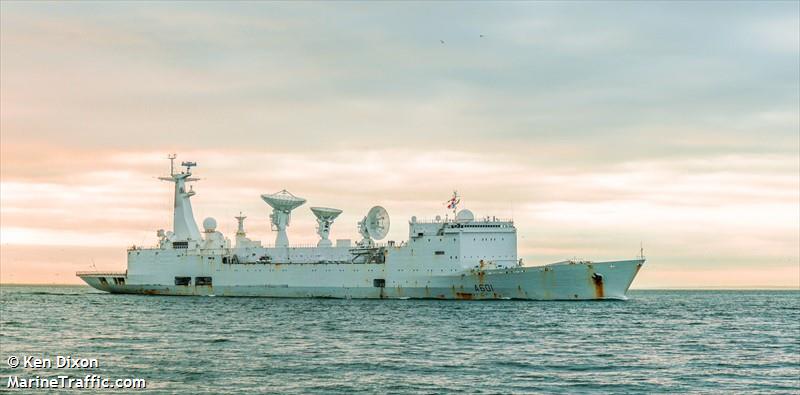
[113,282]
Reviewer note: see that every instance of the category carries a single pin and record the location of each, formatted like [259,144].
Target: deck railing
[108,274]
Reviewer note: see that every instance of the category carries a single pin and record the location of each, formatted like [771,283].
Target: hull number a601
[484,288]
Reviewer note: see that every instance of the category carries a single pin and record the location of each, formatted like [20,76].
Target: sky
[597,126]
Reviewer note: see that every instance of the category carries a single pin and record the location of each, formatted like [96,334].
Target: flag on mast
[454,201]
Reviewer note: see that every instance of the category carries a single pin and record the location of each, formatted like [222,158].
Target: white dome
[465,216]
[209,224]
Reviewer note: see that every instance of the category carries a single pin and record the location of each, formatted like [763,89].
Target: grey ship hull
[558,281]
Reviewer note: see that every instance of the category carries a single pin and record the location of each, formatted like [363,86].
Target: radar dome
[465,216]
[209,225]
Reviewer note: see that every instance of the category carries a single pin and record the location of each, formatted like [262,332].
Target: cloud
[594,126]
[724,212]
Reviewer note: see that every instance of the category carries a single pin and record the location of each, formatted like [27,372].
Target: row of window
[478,226]
[473,239]
[485,256]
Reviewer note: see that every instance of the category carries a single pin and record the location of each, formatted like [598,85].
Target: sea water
[655,342]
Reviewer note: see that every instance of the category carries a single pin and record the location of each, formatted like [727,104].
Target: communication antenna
[641,250]
[374,226]
[188,166]
[171,158]
[240,228]
[325,217]
[282,204]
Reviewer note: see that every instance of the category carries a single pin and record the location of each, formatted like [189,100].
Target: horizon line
[700,288]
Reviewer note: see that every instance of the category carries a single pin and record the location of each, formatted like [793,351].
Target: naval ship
[463,257]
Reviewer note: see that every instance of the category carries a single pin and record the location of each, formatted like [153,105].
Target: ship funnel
[282,204]
[325,217]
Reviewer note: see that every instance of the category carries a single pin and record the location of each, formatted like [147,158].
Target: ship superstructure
[462,257]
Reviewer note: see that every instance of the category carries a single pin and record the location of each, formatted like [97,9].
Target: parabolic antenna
[326,213]
[325,217]
[283,201]
[282,204]
[377,222]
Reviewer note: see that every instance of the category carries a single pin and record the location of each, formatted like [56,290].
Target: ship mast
[184,226]
[240,229]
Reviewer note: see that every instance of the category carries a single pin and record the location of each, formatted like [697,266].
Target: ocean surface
[656,342]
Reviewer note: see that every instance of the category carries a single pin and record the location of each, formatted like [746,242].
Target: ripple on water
[658,341]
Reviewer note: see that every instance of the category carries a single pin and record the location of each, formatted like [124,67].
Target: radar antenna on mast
[188,166]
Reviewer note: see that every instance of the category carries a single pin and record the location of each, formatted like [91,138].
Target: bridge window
[180,244]
[439,253]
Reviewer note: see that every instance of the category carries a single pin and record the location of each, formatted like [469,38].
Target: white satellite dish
[325,217]
[374,226]
[282,204]
[326,213]
[378,222]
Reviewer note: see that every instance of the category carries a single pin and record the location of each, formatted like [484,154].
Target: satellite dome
[465,216]
[209,225]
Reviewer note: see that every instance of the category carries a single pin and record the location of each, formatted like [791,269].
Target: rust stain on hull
[597,279]
[463,296]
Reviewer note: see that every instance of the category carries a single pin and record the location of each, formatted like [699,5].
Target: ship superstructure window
[183,281]
[202,281]
[180,244]
[439,253]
